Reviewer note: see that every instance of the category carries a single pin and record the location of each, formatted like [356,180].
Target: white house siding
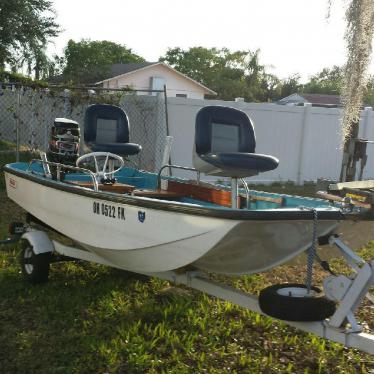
[306,140]
[141,79]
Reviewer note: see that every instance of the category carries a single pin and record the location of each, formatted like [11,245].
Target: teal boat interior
[143,184]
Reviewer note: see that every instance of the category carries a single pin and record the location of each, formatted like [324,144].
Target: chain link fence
[27,115]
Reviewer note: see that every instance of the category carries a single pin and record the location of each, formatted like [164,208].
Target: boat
[181,229]
[133,223]
[150,230]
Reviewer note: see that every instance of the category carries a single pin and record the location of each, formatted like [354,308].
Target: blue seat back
[106,124]
[223,129]
[225,144]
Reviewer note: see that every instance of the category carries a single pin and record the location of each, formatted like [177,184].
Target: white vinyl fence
[306,140]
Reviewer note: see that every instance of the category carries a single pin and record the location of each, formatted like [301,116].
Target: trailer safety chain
[312,251]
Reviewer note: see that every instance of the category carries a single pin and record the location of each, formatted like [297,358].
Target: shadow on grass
[93,319]
[61,323]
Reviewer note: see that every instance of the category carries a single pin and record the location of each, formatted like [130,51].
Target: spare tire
[291,302]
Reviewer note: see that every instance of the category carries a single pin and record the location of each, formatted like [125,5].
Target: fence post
[368,110]
[364,135]
[32,121]
[66,103]
[44,111]
[305,123]
[18,114]
[166,111]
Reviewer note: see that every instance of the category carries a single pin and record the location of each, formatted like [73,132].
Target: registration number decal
[109,210]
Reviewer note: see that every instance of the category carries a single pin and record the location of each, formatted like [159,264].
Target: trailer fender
[39,241]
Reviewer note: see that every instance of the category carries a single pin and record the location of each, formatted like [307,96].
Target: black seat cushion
[238,164]
[127,149]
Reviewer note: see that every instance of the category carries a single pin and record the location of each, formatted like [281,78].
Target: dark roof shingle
[322,99]
[119,69]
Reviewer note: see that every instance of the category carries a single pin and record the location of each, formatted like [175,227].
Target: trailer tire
[35,267]
[289,302]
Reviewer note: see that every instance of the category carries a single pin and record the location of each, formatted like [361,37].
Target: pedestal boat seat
[225,145]
[107,129]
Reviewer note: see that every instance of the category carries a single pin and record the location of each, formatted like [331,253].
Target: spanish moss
[359,35]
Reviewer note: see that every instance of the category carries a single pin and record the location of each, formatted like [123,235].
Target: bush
[9,77]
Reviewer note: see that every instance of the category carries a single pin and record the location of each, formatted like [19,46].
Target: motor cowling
[64,142]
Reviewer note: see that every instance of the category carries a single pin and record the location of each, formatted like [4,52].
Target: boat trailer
[348,292]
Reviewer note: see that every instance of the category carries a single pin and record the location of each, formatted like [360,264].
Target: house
[322,100]
[154,75]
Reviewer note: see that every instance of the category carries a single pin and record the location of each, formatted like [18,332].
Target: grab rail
[248,197]
[176,167]
[62,166]
[198,179]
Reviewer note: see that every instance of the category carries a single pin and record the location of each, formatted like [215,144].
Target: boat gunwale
[176,207]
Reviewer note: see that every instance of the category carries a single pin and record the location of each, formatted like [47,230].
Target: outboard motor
[64,143]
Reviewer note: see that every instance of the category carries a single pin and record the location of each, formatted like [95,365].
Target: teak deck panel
[200,192]
[177,190]
[216,196]
[158,194]
[117,187]
[275,200]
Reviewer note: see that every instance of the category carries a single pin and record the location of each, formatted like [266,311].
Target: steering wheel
[100,174]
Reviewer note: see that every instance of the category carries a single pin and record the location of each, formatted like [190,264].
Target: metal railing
[176,167]
[248,196]
[62,166]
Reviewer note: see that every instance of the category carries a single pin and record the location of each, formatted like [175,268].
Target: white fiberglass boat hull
[143,239]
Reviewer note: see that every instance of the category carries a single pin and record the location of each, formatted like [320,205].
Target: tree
[198,63]
[290,86]
[88,61]
[230,74]
[328,81]
[26,26]
[369,93]
[359,36]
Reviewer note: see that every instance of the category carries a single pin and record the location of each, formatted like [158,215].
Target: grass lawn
[94,319]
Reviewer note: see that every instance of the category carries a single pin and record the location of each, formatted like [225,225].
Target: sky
[294,36]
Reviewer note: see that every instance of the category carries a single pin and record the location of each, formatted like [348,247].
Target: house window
[181,95]
[157,83]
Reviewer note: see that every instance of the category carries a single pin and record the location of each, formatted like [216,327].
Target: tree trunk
[348,169]
[37,69]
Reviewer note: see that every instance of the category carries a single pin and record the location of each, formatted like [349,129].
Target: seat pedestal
[234,193]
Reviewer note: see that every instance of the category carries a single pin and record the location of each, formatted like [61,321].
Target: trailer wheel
[35,267]
[290,302]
